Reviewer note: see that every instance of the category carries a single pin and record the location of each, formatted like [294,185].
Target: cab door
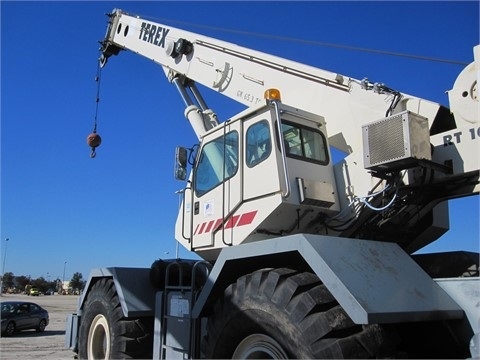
[261,171]
[235,176]
[216,185]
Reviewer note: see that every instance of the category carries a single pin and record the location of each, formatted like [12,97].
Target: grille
[396,142]
[386,140]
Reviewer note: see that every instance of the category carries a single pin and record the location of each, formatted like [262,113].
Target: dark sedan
[22,315]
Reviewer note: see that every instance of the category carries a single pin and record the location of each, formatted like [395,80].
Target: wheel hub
[259,346]
[98,346]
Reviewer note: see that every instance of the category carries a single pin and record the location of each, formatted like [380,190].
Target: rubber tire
[115,336]
[293,309]
[41,325]
[10,329]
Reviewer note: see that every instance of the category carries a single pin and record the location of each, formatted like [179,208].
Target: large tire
[282,313]
[104,331]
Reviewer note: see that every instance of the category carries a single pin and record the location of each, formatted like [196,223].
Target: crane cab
[264,173]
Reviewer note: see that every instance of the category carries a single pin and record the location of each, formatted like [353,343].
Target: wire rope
[312,42]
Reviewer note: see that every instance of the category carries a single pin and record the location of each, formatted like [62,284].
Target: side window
[304,143]
[258,144]
[218,161]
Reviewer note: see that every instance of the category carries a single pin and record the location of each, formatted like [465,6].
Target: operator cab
[246,180]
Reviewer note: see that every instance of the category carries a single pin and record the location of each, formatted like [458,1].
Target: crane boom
[244,74]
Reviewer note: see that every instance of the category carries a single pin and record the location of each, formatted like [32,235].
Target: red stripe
[247,218]
[209,226]
[232,222]
[217,224]
[236,220]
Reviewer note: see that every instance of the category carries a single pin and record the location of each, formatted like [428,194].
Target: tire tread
[304,316]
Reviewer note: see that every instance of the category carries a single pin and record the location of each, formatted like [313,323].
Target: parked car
[50,292]
[34,292]
[22,315]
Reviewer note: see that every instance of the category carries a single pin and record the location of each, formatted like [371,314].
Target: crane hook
[94,140]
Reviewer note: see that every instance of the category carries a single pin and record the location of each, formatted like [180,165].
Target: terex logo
[153,34]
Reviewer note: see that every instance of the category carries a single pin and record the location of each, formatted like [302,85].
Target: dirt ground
[47,345]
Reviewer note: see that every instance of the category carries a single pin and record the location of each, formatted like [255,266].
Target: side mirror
[180,163]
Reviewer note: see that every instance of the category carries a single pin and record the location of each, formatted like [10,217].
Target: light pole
[5,255]
[63,279]
[3,267]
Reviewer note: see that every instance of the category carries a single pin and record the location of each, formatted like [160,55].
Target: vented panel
[391,146]
[396,141]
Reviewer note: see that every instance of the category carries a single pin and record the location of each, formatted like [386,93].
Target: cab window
[258,143]
[304,143]
[217,162]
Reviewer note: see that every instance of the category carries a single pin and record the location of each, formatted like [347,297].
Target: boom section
[244,74]
[236,72]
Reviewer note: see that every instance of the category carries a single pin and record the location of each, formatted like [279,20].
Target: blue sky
[119,209]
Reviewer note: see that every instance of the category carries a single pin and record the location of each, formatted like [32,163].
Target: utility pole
[3,267]
[5,255]
[63,279]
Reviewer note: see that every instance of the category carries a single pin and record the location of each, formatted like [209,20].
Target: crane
[302,256]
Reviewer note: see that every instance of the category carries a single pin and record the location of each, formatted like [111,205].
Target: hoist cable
[314,42]
[97,99]
[94,140]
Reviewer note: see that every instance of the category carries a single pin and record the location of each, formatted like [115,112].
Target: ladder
[175,331]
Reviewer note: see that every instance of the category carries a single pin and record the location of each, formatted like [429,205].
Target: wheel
[10,329]
[281,313]
[259,346]
[104,331]
[99,338]
[42,325]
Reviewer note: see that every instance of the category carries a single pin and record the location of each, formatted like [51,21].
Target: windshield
[218,161]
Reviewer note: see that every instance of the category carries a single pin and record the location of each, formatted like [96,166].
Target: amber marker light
[272,94]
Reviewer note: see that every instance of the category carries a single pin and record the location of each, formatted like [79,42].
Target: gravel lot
[50,344]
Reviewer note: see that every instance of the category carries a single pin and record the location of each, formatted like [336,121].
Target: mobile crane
[301,257]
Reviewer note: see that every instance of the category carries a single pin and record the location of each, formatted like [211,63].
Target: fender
[375,282]
[136,294]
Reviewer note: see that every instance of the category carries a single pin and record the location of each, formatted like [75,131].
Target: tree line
[18,284]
